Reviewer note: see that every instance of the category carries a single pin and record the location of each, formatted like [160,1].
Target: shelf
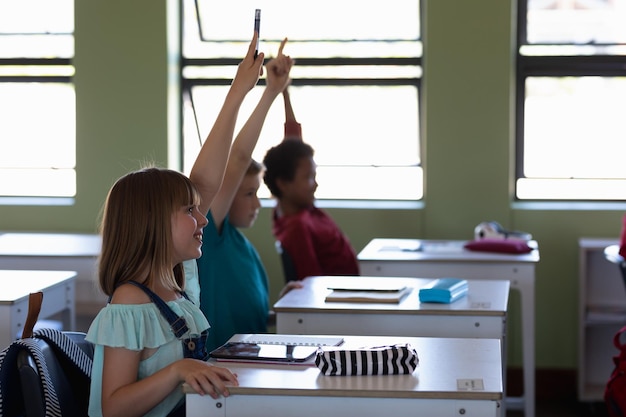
[607,315]
[602,312]
[593,392]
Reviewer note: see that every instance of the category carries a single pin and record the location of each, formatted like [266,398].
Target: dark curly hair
[281,162]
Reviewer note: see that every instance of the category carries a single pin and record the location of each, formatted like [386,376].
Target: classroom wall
[125,118]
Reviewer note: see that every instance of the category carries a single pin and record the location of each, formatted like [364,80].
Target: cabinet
[602,312]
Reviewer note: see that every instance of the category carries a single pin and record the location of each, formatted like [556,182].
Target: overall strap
[177,323]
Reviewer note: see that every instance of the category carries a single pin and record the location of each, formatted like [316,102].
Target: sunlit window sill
[359,204]
[37,201]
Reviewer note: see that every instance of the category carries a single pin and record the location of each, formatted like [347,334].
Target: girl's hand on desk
[205,378]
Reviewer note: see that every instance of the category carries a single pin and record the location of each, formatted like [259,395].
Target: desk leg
[69,313]
[526,287]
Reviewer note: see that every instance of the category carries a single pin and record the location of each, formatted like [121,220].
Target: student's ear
[282,185]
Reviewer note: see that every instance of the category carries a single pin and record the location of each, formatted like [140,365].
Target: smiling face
[245,207]
[187,225]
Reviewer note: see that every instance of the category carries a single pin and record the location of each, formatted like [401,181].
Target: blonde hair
[136,228]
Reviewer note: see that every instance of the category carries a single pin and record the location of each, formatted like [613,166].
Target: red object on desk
[498,245]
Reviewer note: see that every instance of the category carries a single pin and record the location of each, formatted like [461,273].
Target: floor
[567,409]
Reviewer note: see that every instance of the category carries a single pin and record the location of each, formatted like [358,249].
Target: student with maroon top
[306,233]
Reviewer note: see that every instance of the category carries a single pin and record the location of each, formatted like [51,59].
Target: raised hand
[250,69]
[278,70]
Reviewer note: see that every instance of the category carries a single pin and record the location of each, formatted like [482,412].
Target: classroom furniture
[289,269]
[602,312]
[454,377]
[448,258]
[58,289]
[71,389]
[480,314]
[58,251]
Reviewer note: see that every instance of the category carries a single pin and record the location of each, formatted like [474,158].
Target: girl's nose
[201,219]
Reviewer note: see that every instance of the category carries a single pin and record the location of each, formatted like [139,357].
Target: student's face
[187,224]
[245,208]
[301,190]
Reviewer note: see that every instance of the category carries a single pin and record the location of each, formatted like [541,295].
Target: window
[37,100]
[355,87]
[571,96]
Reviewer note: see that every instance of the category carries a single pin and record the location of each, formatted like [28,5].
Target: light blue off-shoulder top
[135,327]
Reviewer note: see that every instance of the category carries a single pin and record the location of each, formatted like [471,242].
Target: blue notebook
[443,290]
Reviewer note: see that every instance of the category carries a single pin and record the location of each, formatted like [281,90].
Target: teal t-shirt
[234,291]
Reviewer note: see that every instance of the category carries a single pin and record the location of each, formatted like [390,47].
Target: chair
[611,253]
[70,385]
[46,372]
[289,269]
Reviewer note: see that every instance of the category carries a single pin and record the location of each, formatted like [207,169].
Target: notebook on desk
[379,294]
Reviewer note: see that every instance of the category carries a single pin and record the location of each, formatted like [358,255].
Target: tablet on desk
[264,352]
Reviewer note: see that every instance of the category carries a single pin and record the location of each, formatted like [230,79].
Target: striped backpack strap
[68,348]
[10,390]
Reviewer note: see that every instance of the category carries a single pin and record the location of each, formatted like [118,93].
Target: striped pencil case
[382,360]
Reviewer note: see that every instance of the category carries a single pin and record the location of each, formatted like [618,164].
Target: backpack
[615,390]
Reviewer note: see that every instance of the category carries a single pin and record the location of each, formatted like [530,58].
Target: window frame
[40,60]
[187,84]
[552,66]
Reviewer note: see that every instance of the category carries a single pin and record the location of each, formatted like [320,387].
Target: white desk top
[445,367]
[17,285]
[384,249]
[487,298]
[49,244]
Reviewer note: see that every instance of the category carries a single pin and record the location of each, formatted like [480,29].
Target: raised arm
[277,71]
[293,129]
[208,170]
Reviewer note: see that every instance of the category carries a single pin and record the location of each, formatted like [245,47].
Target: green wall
[125,117]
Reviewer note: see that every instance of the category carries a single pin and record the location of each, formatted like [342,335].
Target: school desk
[455,377]
[57,252]
[479,314]
[448,258]
[58,289]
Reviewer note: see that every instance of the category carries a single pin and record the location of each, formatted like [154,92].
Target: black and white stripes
[10,389]
[383,360]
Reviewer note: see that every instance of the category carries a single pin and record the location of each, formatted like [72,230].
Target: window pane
[355,87]
[354,132]
[571,189]
[37,133]
[576,21]
[369,183]
[37,16]
[329,72]
[575,127]
[37,105]
[36,28]
[575,139]
[393,19]
[38,182]
[352,29]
